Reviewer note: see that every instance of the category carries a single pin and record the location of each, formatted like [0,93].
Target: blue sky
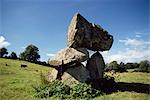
[44,23]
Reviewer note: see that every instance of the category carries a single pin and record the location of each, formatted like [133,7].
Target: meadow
[16,82]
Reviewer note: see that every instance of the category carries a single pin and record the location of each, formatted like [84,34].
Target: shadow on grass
[135,87]
[109,86]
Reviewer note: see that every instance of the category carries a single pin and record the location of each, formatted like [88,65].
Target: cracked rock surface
[83,34]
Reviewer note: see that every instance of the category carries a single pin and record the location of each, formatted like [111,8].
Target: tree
[144,66]
[122,67]
[30,54]
[22,56]
[131,65]
[3,52]
[13,55]
[135,65]
[112,66]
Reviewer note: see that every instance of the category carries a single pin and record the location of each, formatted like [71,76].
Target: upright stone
[95,66]
[83,34]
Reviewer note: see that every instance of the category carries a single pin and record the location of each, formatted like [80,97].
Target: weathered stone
[52,75]
[70,76]
[82,34]
[69,55]
[75,75]
[95,66]
[54,62]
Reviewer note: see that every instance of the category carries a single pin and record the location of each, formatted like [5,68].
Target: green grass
[16,82]
[132,77]
[128,77]
[124,96]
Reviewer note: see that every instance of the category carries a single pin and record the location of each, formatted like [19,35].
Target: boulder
[70,76]
[52,75]
[95,65]
[68,55]
[75,75]
[83,34]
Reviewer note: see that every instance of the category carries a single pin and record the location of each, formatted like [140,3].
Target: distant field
[135,77]
[16,82]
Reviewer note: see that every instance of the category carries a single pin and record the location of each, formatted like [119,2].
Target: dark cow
[23,66]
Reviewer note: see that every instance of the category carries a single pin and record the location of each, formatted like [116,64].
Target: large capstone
[95,66]
[68,55]
[83,34]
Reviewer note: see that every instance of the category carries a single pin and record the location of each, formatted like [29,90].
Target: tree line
[31,54]
[143,66]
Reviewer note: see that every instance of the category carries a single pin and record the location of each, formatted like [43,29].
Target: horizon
[44,24]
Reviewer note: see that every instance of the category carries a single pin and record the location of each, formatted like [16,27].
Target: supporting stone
[95,66]
[75,75]
[70,75]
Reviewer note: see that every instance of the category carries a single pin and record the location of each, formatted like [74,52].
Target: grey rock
[83,34]
[52,75]
[70,76]
[69,55]
[95,66]
[75,75]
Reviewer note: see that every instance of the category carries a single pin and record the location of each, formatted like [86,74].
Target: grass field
[16,82]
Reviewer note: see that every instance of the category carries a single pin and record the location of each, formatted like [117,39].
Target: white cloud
[3,42]
[128,56]
[142,33]
[50,54]
[134,42]
[139,51]
[139,33]
[135,50]
[138,36]
[127,49]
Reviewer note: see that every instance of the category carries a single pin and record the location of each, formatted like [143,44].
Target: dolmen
[82,36]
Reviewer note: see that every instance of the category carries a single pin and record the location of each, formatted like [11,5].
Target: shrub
[55,88]
[83,90]
[58,89]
